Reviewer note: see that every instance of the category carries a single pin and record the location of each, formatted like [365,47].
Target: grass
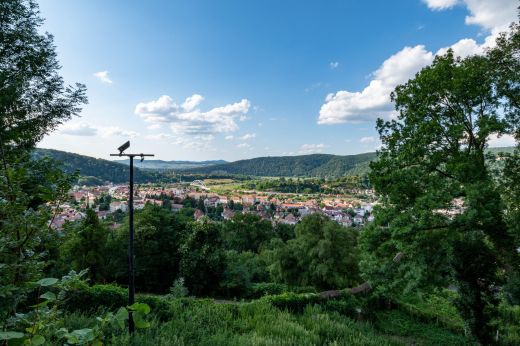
[202,322]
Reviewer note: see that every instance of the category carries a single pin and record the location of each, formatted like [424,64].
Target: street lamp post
[131,257]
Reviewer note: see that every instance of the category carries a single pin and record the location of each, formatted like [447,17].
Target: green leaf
[84,334]
[140,307]
[11,335]
[47,282]
[48,296]
[41,304]
[140,321]
[121,316]
[37,340]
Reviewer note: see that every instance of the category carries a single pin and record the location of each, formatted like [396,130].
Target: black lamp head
[123,147]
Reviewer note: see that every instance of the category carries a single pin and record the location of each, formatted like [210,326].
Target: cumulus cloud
[78,129]
[371,102]
[312,148]
[491,14]
[374,101]
[333,65]
[103,77]
[247,136]
[191,102]
[188,119]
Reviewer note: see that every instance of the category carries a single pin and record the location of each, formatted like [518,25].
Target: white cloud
[374,101]
[440,4]
[463,48]
[78,129]
[187,119]
[191,102]
[103,77]
[243,145]
[312,148]
[495,141]
[83,129]
[333,65]
[117,131]
[491,14]
[229,137]
[247,136]
[367,140]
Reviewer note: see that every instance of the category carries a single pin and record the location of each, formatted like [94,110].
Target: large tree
[323,254]
[442,216]
[33,101]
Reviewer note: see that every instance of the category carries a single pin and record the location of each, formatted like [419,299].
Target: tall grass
[203,322]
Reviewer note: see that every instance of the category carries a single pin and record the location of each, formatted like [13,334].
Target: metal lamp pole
[131,256]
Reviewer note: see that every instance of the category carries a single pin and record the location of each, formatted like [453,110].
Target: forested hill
[160,164]
[96,171]
[316,165]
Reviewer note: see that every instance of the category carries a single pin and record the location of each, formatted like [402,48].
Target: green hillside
[316,165]
[96,171]
[161,164]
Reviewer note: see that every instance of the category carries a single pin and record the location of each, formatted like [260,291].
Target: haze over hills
[97,171]
[161,164]
[314,165]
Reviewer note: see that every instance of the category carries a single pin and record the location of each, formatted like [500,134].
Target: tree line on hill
[315,165]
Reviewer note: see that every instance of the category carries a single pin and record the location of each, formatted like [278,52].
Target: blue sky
[198,80]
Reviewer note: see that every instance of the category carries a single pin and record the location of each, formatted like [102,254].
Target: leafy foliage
[442,219]
[323,254]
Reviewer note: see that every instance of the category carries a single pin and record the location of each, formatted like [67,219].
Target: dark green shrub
[267,288]
[304,289]
[159,306]
[88,299]
[294,302]
[347,305]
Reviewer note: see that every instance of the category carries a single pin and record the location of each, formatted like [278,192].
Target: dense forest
[315,165]
[172,165]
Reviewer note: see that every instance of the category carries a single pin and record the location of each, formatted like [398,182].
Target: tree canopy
[442,217]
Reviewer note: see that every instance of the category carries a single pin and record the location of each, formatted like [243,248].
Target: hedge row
[90,299]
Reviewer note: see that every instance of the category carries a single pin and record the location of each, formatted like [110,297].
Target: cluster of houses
[346,213]
[272,207]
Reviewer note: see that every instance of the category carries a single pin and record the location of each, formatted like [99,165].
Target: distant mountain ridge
[161,164]
[314,165]
[97,171]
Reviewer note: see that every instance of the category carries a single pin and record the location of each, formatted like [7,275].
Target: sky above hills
[199,80]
